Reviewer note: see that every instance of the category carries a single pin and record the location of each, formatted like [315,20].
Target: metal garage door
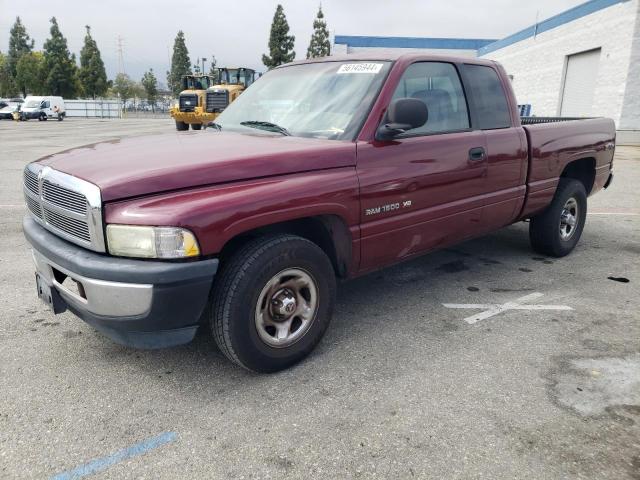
[580,84]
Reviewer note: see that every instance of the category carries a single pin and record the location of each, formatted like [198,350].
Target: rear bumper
[197,116]
[138,303]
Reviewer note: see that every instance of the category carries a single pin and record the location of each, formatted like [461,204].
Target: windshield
[33,103]
[323,100]
[196,83]
[241,76]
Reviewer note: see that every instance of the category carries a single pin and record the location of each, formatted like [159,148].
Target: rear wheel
[181,126]
[196,126]
[272,302]
[557,230]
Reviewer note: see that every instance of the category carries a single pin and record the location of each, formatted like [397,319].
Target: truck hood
[150,164]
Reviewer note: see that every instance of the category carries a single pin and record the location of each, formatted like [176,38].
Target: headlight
[151,242]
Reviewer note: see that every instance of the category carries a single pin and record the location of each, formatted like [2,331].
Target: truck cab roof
[393,57]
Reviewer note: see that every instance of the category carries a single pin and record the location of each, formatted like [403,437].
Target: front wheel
[556,231]
[196,126]
[181,126]
[272,302]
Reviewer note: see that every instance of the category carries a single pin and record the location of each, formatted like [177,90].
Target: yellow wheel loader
[190,107]
[231,82]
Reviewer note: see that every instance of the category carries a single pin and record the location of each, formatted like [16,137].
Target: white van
[42,108]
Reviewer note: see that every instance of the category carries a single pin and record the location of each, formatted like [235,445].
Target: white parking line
[492,309]
[631,214]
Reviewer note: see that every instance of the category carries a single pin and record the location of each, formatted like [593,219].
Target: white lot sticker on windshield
[360,68]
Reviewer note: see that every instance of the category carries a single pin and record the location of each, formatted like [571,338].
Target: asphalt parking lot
[402,386]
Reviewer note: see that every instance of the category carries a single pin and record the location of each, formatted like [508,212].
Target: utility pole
[120,43]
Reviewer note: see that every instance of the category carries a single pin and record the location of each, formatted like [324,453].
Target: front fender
[217,214]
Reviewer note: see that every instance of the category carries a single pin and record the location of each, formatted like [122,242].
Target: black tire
[61,117]
[181,126]
[239,285]
[40,119]
[196,126]
[545,232]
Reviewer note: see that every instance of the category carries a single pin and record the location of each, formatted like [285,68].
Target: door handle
[477,154]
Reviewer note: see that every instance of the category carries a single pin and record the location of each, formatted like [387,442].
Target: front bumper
[138,303]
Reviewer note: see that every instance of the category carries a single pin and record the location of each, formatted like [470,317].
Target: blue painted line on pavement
[103,463]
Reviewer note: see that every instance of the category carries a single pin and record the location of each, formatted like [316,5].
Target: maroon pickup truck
[321,170]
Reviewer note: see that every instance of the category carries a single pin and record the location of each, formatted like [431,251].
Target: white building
[582,62]
[467,47]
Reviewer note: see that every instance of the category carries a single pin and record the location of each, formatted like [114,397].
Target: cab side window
[45,105]
[488,97]
[438,86]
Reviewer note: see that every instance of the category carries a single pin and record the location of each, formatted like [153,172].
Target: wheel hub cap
[283,304]
[286,307]
[568,219]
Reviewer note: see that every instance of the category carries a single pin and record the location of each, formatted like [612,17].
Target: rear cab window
[488,96]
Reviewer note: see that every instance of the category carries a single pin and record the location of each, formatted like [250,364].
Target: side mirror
[403,114]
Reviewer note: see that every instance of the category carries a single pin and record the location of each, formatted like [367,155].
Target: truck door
[506,145]
[424,189]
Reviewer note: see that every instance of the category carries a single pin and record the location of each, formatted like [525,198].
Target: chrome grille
[31,181]
[78,228]
[63,197]
[34,207]
[67,206]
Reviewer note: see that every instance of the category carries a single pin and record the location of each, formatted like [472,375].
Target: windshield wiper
[268,126]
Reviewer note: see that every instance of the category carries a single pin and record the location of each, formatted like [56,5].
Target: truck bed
[554,143]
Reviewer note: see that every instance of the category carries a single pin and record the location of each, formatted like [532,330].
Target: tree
[150,84]
[19,44]
[60,64]
[4,77]
[180,64]
[123,87]
[30,74]
[280,42]
[137,92]
[92,74]
[320,46]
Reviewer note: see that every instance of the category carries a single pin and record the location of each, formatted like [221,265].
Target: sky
[237,32]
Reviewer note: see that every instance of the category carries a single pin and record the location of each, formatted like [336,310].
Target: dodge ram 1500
[322,170]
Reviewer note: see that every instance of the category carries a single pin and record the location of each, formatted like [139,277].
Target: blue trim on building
[413,42]
[561,19]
